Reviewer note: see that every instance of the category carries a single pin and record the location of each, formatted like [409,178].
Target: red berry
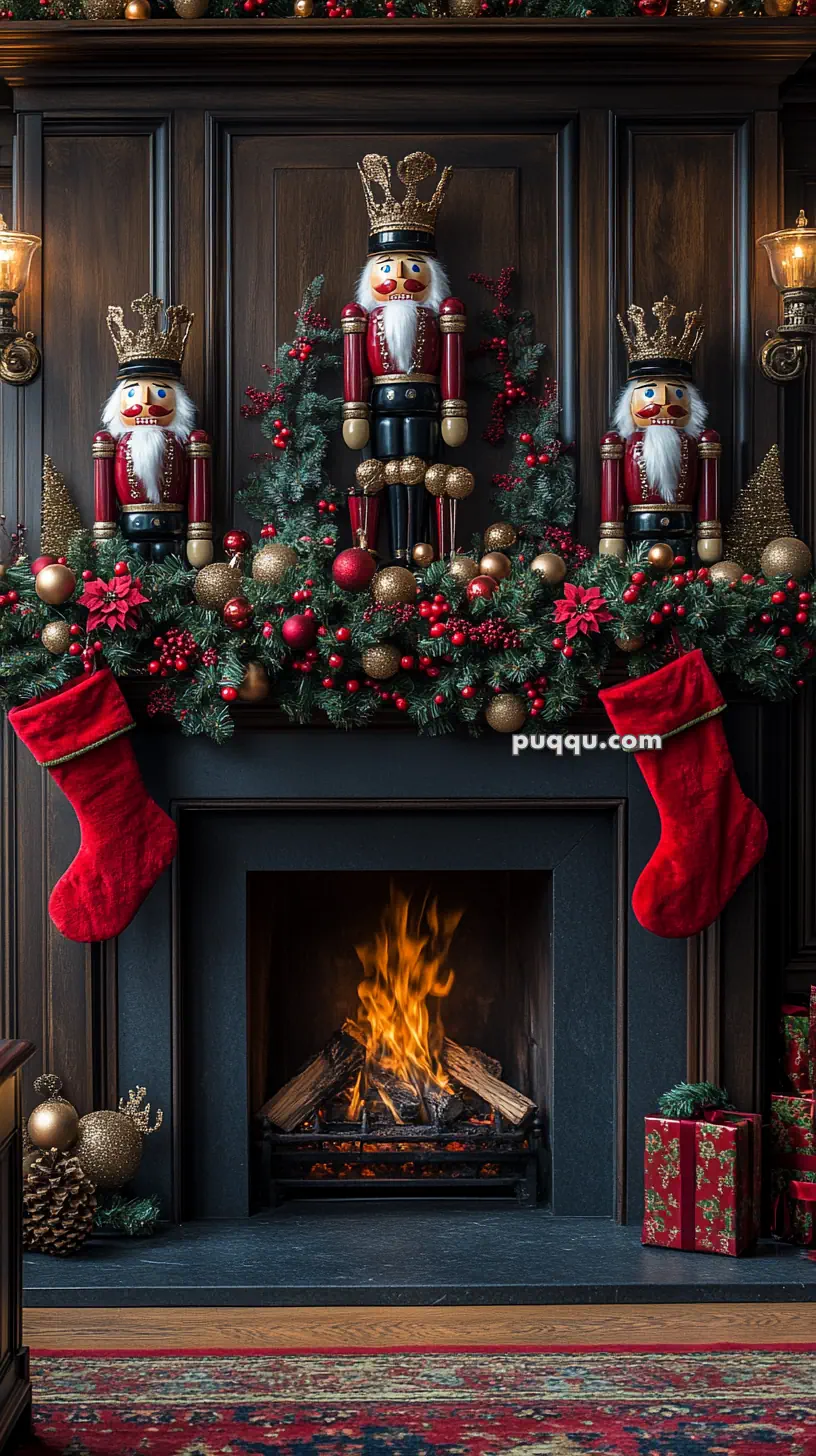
[406,663]
[655,618]
[153,667]
[87,576]
[352,686]
[667,609]
[228,693]
[568,651]
[638,577]
[529,460]
[343,634]
[526,439]
[401,704]
[801,618]
[558,643]
[680,611]
[121,569]
[328,682]
[75,649]
[780,651]
[457,638]
[765,617]
[805,596]
[784,631]
[746,577]
[544,459]
[437,630]
[679,561]
[778,598]
[792,585]
[631,594]
[75,630]
[468,691]
[335,660]
[439,699]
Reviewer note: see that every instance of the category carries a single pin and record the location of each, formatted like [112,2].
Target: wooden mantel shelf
[738,51]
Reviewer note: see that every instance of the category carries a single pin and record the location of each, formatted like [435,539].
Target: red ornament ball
[481,587]
[229,694]
[40,562]
[238,613]
[299,632]
[235,541]
[353,569]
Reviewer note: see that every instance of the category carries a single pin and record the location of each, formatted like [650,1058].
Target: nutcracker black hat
[661,352]
[410,223]
[151,349]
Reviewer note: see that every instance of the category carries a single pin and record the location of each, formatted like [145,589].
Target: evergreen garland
[254,10]
[692,1099]
[137,1218]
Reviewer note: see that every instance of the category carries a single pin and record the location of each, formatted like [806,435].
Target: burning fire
[404,964]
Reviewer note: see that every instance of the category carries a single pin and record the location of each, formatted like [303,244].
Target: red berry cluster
[209,657]
[326,508]
[9,599]
[505,482]
[433,612]
[390,9]
[792,598]
[282,435]
[87,653]
[561,540]
[312,318]
[161,700]
[301,348]
[304,593]
[534,688]
[260,400]
[401,613]
[490,633]
[532,458]
[179,651]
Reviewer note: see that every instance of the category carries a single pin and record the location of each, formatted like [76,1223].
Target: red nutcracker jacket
[185,482]
[439,353]
[624,483]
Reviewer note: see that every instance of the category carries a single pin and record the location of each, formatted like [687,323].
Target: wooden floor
[378,1328]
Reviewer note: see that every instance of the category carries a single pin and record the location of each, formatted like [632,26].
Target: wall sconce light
[19,356]
[792,256]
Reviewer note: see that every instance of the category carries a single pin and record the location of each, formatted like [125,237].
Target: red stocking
[127,840]
[711,835]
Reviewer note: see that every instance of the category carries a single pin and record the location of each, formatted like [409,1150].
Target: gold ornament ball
[191,9]
[394,584]
[393,471]
[423,553]
[370,474]
[506,713]
[138,10]
[412,470]
[271,564]
[103,9]
[463,569]
[56,637]
[786,556]
[381,661]
[54,584]
[496,564]
[500,536]
[255,686]
[54,1124]
[725,571]
[435,477]
[717,7]
[459,483]
[304,8]
[215,584]
[550,567]
[109,1148]
[629,644]
[661,556]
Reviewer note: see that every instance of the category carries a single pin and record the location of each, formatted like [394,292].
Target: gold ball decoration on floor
[393,585]
[423,553]
[370,476]
[270,564]
[393,471]
[500,536]
[725,571]
[661,556]
[412,470]
[506,713]
[216,584]
[304,8]
[550,567]
[109,1148]
[56,637]
[54,584]
[459,483]
[435,477]
[59,1203]
[497,565]
[103,9]
[463,569]
[54,1122]
[629,644]
[255,686]
[786,556]
[191,9]
[138,10]
[382,660]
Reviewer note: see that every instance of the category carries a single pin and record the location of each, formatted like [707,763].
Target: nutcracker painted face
[661,402]
[397,276]
[147,402]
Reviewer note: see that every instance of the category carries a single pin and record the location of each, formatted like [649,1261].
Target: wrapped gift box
[793,1168]
[703,1182]
[799,1044]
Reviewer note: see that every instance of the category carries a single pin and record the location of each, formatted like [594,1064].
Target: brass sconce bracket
[20,358]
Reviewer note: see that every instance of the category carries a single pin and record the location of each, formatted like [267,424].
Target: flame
[403,965]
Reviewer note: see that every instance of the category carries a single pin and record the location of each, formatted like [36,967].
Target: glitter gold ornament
[500,536]
[506,713]
[496,564]
[138,10]
[54,584]
[464,9]
[725,571]
[56,637]
[382,660]
[435,477]
[412,470]
[393,469]
[660,556]
[216,584]
[370,476]
[423,553]
[271,564]
[550,567]
[54,1122]
[304,8]
[463,569]
[60,517]
[255,685]
[786,556]
[109,1144]
[394,584]
[191,9]
[717,7]
[103,9]
[629,644]
[760,514]
[459,483]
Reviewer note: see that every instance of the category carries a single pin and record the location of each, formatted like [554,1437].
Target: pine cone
[58,1204]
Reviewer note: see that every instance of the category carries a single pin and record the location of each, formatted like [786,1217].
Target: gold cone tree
[760,514]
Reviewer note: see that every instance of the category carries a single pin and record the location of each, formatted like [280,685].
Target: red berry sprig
[178,652]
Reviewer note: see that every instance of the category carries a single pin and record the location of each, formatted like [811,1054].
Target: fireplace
[399,1032]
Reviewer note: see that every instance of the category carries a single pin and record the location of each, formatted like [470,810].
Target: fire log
[466,1065]
[332,1069]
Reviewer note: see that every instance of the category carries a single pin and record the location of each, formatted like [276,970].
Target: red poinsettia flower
[581,609]
[113,603]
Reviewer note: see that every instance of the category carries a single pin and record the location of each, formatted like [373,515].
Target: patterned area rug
[427,1403]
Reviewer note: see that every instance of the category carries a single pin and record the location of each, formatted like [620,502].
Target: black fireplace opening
[399,1033]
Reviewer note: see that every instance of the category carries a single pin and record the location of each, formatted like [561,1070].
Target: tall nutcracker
[660,467]
[403,348]
[152,470]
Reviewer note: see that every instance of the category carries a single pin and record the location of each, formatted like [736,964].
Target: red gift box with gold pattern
[799,1044]
[703,1182]
[793,1168]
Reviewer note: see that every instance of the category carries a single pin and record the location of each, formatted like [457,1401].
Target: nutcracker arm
[354,322]
[452,324]
[104,451]
[709,529]
[199,499]
[613,501]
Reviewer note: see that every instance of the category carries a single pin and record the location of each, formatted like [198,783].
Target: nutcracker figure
[151,468]
[660,468]
[403,349]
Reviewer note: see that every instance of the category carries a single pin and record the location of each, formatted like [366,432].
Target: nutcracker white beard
[661,446]
[147,443]
[400,316]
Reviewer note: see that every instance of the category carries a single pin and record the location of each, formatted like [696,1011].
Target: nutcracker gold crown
[661,351]
[410,221]
[150,347]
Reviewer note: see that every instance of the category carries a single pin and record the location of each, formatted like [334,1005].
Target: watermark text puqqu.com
[578,743]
